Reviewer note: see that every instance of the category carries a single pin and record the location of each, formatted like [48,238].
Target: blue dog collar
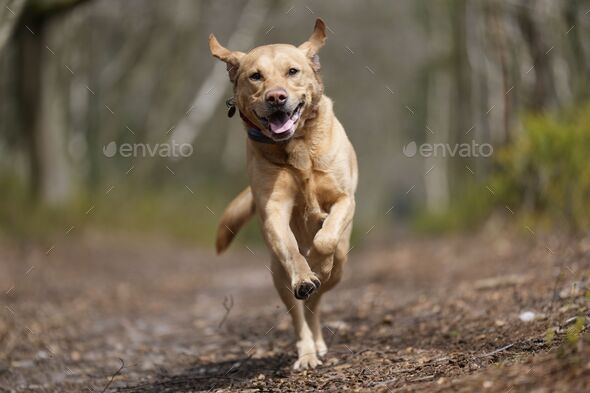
[254,132]
[257,136]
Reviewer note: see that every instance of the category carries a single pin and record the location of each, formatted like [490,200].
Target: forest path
[102,314]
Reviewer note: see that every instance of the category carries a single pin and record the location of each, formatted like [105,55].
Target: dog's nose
[276,96]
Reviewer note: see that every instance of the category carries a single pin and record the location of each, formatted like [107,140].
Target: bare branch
[210,94]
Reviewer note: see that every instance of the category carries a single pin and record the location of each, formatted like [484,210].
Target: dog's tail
[236,214]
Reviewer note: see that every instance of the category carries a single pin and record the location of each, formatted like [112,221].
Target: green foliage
[546,171]
[466,211]
[170,211]
[549,335]
[573,333]
[21,217]
[543,177]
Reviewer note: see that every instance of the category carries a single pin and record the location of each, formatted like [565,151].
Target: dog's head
[276,86]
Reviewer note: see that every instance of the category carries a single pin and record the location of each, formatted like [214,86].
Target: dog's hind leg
[312,316]
[312,307]
[306,350]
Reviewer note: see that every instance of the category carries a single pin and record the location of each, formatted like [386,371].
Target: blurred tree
[129,71]
[544,94]
[210,94]
[438,110]
[44,113]
[10,11]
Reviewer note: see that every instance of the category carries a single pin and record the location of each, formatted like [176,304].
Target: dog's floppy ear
[231,58]
[312,46]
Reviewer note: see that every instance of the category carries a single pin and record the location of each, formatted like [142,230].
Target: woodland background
[466,273]
[77,75]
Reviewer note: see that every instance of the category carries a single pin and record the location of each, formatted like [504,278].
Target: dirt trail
[101,314]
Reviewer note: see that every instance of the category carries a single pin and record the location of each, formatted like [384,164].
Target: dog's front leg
[292,276]
[276,216]
[326,239]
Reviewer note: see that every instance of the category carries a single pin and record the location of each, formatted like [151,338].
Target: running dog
[303,175]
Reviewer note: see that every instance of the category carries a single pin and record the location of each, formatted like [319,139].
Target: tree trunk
[43,115]
[29,75]
[543,95]
[10,11]
[52,132]
[436,177]
[438,113]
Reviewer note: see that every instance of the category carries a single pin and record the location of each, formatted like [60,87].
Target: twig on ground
[497,351]
[117,373]
[421,379]
[554,296]
[386,382]
[228,304]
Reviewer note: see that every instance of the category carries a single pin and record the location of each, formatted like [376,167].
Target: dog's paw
[321,347]
[306,287]
[306,361]
[325,243]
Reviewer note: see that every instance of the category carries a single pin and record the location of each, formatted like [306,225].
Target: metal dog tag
[231,107]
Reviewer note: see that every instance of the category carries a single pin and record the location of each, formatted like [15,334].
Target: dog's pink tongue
[280,123]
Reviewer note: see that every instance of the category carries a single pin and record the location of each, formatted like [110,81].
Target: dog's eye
[256,76]
[293,71]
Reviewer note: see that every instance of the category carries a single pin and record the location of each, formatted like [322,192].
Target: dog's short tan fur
[302,189]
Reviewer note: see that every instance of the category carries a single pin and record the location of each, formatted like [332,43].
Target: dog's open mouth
[281,124]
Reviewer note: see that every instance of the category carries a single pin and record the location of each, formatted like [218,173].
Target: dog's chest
[317,184]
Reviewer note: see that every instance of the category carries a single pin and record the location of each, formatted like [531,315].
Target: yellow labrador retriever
[303,176]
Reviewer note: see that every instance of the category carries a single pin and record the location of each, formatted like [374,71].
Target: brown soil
[103,314]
